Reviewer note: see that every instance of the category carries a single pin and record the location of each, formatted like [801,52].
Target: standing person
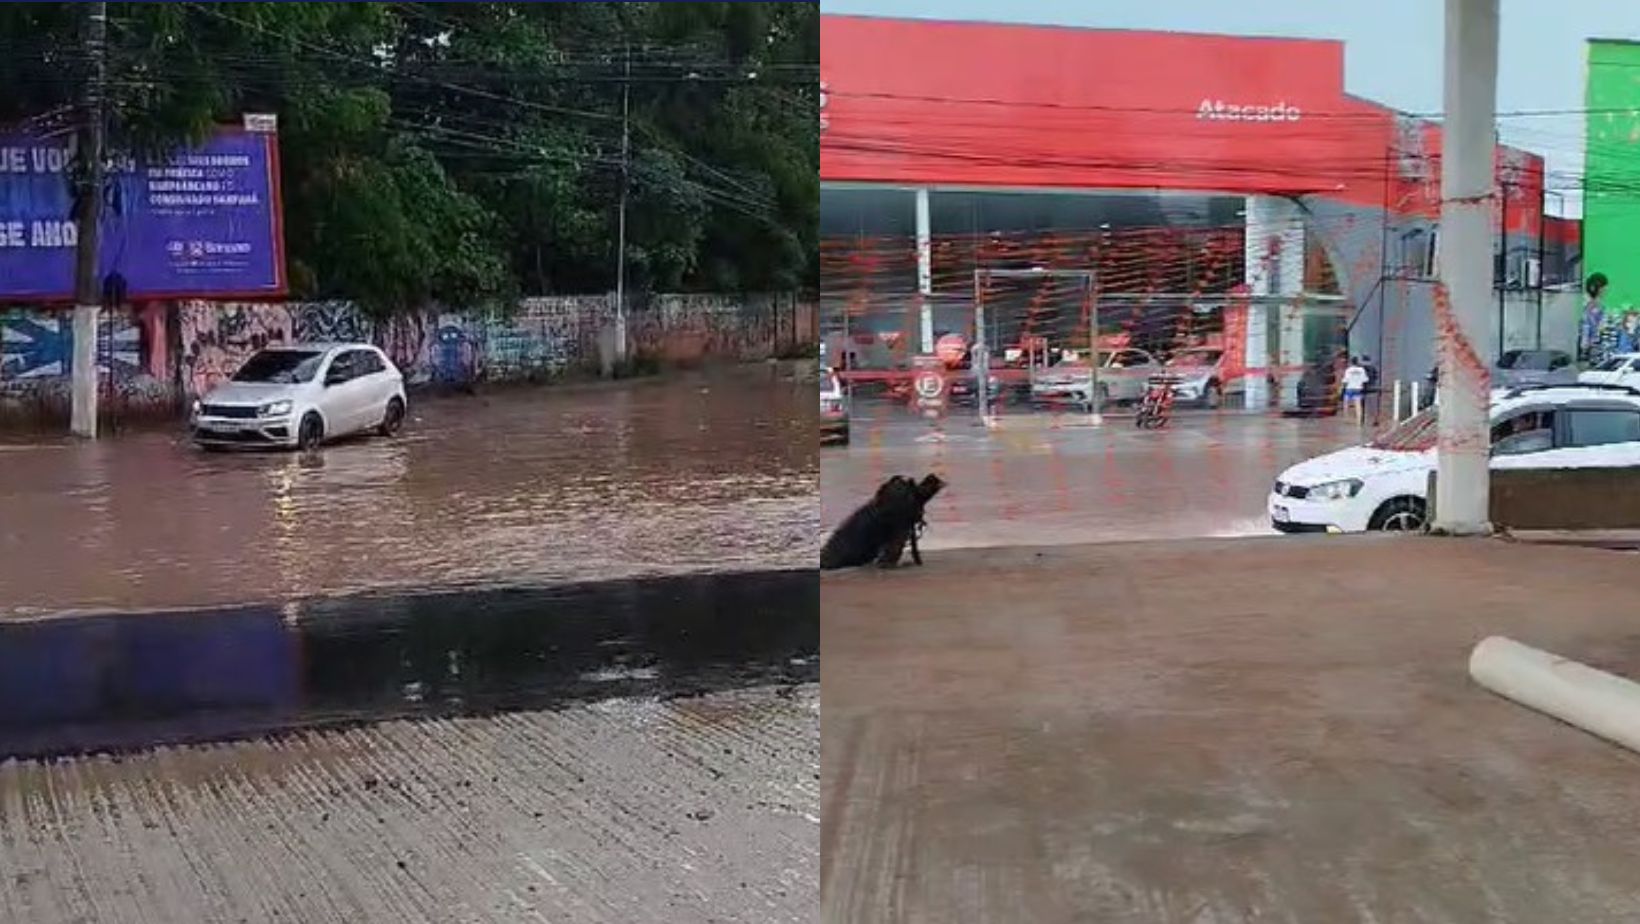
[1355,385]
[1594,312]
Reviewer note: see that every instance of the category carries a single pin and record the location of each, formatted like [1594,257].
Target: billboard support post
[88,216]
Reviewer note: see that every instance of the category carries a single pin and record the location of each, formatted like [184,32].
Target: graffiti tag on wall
[218,337]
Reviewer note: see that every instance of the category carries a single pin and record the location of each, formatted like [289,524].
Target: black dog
[881,529]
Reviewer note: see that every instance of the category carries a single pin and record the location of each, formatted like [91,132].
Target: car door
[376,383]
[342,399]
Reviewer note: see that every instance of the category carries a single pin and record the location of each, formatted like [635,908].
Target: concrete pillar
[1273,252]
[83,372]
[925,272]
[1463,316]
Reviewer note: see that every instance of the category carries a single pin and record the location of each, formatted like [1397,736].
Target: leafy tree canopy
[463,152]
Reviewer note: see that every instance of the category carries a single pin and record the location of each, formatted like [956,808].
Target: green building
[1611,174]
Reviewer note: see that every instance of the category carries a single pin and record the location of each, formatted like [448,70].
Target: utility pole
[620,244]
[1463,482]
[88,220]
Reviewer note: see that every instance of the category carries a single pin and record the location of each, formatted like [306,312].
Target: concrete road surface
[1225,731]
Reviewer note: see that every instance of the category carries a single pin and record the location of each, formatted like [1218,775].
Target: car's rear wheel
[392,418]
[1401,515]
[310,433]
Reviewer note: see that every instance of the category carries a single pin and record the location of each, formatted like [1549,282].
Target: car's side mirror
[334,377]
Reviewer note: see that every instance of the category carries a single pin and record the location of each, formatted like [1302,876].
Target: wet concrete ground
[711,471]
[1052,479]
[697,809]
[1221,731]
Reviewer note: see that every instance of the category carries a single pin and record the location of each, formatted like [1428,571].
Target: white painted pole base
[1597,702]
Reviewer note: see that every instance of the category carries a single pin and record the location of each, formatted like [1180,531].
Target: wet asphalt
[136,680]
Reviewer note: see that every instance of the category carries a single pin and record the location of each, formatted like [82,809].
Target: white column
[1463,487]
[925,271]
[83,372]
[1273,259]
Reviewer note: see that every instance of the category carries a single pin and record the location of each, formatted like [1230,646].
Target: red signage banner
[921,102]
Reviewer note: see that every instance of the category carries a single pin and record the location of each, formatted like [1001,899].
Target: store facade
[1196,170]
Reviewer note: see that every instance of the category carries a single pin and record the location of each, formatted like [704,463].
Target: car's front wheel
[310,433]
[392,418]
[1401,515]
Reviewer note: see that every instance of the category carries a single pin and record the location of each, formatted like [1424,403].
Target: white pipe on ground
[1397,414]
[1597,702]
[1415,407]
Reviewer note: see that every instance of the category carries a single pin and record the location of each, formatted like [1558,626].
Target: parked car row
[1196,375]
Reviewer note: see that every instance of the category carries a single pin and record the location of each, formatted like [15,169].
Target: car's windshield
[1415,434]
[1614,364]
[1195,359]
[280,367]
[1526,360]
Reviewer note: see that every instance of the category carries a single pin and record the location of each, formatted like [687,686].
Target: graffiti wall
[218,336]
[156,359]
[36,359]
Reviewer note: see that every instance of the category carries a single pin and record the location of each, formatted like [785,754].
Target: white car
[1622,369]
[1384,484]
[303,395]
[1197,376]
[1122,377]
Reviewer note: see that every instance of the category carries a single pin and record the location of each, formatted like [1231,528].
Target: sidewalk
[1221,731]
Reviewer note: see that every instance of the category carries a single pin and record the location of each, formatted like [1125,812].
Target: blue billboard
[204,223]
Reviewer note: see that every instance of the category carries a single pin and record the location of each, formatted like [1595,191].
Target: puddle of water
[135,680]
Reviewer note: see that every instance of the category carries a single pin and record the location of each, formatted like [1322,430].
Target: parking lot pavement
[1049,479]
[1221,730]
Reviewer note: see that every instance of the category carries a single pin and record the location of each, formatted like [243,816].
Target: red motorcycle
[1156,407]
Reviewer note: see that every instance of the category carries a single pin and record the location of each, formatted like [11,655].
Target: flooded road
[712,471]
[1032,483]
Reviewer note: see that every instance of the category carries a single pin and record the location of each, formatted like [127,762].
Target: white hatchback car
[1384,484]
[302,395]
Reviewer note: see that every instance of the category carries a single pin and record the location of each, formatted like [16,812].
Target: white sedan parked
[1384,484]
[303,395]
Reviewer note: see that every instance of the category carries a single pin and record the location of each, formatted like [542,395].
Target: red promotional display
[951,349]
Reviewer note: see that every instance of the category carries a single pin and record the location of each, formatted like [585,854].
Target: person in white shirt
[1355,386]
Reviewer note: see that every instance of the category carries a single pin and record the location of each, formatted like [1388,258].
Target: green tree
[466,152]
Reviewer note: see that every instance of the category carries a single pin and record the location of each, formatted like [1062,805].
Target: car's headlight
[197,408]
[1336,490]
[276,409]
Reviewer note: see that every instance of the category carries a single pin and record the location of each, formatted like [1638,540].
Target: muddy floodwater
[714,471]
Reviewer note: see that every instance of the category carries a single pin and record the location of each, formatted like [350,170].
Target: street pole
[1463,487]
[620,245]
[88,221]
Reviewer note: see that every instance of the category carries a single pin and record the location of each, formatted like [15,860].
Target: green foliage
[468,152]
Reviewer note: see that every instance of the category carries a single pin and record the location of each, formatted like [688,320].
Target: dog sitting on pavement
[882,528]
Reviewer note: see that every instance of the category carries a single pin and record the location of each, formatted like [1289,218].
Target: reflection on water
[134,680]
[716,471]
